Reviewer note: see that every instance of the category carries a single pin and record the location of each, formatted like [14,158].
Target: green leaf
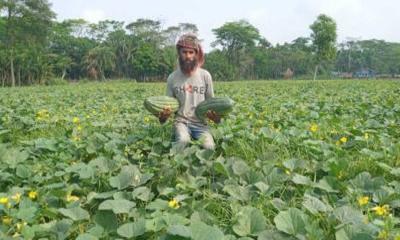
[314,205]
[274,235]
[97,231]
[125,178]
[117,206]
[133,229]
[76,213]
[27,214]
[107,219]
[293,164]
[13,157]
[350,233]
[86,236]
[314,231]
[279,204]
[239,167]
[129,176]
[238,192]
[348,214]
[326,185]
[365,182]
[220,168]
[23,172]
[302,180]
[86,172]
[373,155]
[62,228]
[263,187]
[158,204]
[46,144]
[143,193]
[204,154]
[179,230]
[201,231]
[173,219]
[250,221]
[292,221]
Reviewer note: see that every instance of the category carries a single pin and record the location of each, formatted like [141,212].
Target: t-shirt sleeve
[209,86]
[170,92]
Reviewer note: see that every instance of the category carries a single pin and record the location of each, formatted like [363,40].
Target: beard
[188,66]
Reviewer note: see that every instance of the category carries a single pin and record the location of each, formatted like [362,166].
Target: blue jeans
[185,132]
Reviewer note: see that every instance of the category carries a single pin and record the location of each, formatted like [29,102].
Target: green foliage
[294,160]
[323,37]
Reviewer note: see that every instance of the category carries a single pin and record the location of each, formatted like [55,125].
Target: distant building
[343,75]
[364,73]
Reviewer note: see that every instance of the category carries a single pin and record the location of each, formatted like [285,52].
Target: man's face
[187,59]
[187,54]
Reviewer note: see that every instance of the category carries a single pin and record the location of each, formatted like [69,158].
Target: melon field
[293,160]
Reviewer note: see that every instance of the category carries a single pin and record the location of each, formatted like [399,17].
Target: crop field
[294,160]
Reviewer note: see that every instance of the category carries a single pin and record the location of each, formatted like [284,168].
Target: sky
[279,21]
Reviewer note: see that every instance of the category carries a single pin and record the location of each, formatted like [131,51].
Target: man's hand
[164,115]
[213,116]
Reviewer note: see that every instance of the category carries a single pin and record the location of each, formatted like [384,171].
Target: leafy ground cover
[294,160]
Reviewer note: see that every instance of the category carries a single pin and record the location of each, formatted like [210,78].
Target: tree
[68,44]
[172,33]
[236,39]
[218,64]
[102,29]
[323,38]
[99,60]
[26,24]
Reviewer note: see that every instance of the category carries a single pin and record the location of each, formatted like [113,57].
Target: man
[190,85]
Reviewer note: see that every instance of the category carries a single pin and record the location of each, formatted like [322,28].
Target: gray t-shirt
[190,91]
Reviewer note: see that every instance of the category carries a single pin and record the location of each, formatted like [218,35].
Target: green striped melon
[156,104]
[221,105]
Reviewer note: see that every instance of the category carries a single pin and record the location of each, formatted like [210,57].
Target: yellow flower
[343,139]
[6,220]
[173,204]
[20,226]
[287,171]
[79,128]
[42,115]
[72,198]
[16,197]
[313,127]
[4,200]
[363,201]
[381,210]
[32,195]
[75,120]
[366,136]
[76,138]
[146,119]
[383,235]
[340,175]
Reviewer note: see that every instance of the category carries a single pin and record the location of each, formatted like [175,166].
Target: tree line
[37,49]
